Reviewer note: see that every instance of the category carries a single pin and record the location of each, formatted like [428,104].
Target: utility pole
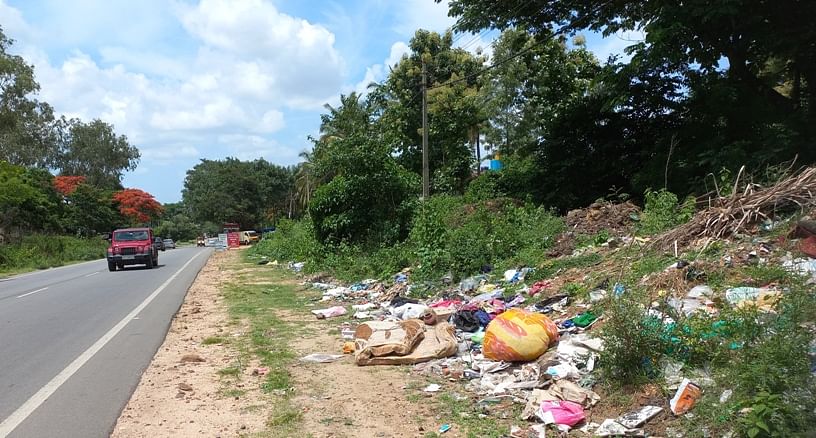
[425,176]
[478,152]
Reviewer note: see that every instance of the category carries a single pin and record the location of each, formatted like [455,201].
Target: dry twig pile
[730,215]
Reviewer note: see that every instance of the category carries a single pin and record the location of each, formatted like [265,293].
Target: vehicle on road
[248,237]
[158,242]
[169,244]
[200,241]
[132,246]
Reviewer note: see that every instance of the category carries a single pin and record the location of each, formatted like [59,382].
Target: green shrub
[40,251]
[291,241]
[450,235]
[634,342]
[662,211]
[486,186]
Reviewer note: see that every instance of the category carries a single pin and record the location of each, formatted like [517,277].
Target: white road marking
[32,292]
[72,265]
[92,273]
[9,424]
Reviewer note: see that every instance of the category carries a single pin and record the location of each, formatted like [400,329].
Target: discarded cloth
[409,311]
[539,286]
[383,338]
[466,321]
[330,312]
[321,358]
[517,335]
[400,300]
[561,412]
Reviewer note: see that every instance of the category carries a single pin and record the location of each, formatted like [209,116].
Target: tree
[90,210]
[178,227]
[305,182]
[25,201]
[94,150]
[138,206]
[231,190]
[66,185]
[713,85]
[27,134]
[368,200]
[453,108]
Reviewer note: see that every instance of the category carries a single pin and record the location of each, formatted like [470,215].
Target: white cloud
[271,121]
[273,52]
[247,64]
[378,72]
[170,153]
[422,14]
[13,22]
[253,147]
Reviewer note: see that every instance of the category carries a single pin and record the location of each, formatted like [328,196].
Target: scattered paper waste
[321,358]
[684,399]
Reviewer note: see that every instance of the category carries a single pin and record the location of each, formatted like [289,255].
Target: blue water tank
[495,164]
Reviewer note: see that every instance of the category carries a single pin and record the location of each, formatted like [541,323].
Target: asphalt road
[75,340]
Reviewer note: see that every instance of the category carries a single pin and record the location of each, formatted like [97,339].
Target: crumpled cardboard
[421,343]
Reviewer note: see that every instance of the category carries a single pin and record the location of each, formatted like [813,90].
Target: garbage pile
[509,342]
[505,341]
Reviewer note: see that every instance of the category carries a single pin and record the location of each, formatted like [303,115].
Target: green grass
[229,371]
[464,416]
[232,393]
[212,340]
[39,251]
[267,337]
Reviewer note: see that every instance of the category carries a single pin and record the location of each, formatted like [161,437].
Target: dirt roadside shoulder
[180,391]
[229,367]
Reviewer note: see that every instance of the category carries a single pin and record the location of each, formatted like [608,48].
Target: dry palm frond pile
[735,214]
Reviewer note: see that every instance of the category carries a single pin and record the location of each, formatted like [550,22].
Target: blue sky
[192,79]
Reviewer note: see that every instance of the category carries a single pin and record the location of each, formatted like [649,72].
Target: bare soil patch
[182,396]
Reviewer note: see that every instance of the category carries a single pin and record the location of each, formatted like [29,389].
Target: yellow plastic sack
[517,335]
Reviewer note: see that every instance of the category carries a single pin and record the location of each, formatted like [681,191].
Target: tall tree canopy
[96,152]
[27,132]
[248,193]
[137,205]
[453,108]
[713,85]
[365,194]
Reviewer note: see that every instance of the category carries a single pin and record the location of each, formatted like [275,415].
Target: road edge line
[26,409]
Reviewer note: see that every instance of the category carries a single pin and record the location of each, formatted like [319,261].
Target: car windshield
[168,240]
[125,236]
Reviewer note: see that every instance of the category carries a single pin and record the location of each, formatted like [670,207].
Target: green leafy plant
[663,211]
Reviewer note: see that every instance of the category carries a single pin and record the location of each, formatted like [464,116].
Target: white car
[169,244]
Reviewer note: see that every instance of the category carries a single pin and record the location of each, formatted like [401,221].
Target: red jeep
[132,246]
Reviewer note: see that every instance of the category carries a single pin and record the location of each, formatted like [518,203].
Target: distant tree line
[60,175]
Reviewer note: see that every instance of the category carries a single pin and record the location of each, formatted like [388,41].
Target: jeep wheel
[111,266]
[149,264]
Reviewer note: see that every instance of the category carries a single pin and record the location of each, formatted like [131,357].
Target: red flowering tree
[137,205]
[67,184]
